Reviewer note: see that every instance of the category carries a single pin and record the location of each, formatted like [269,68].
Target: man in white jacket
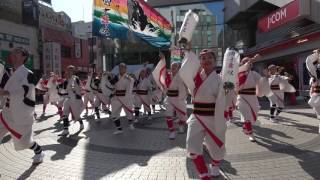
[122,99]
[172,85]
[17,116]
[143,88]
[250,85]
[88,94]
[206,125]
[278,84]
[73,103]
[313,66]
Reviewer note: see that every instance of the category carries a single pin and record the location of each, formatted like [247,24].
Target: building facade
[83,30]
[283,32]
[209,28]
[14,32]
[58,47]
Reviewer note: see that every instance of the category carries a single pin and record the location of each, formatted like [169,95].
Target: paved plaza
[288,149]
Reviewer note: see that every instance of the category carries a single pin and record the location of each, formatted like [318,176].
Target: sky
[82,9]
[77,9]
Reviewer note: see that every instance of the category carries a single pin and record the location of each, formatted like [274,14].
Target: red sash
[144,103]
[198,82]
[242,77]
[12,131]
[252,111]
[213,136]
[125,107]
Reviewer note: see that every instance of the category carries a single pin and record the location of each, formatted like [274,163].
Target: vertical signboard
[47,57]
[56,58]
[51,58]
[77,48]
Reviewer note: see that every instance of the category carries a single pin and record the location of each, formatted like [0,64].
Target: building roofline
[173,3]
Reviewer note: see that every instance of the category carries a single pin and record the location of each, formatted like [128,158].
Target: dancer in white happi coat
[73,103]
[278,84]
[42,86]
[143,88]
[16,117]
[107,90]
[206,125]
[4,77]
[313,66]
[250,85]
[88,94]
[231,99]
[62,93]
[122,98]
[156,93]
[101,99]
[53,91]
[173,86]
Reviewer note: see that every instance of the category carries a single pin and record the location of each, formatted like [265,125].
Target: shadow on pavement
[62,152]
[44,118]
[27,173]
[115,158]
[294,123]
[307,159]
[57,128]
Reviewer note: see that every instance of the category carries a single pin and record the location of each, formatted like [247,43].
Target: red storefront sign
[287,44]
[280,16]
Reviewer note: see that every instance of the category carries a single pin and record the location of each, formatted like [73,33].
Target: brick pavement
[288,149]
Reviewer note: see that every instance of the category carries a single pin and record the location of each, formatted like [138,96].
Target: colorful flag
[176,55]
[115,18]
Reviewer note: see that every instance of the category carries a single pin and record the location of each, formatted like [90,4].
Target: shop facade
[284,32]
[285,37]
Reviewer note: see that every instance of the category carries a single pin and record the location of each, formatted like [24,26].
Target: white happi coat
[43,87]
[125,83]
[88,95]
[277,96]
[4,77]
[177,104]
[52,90]
[97,91]
[173,104]
[145,100]
[106,88]
[17,115]
[211,129]
[156,94]
[231,99]
[248,105]
[314,101]
[73,103]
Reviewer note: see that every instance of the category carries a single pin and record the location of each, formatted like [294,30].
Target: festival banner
[115,18]
[176,54]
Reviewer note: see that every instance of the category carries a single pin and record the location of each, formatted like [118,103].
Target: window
[183,12]
[65,51]
[209,19]
[92,40]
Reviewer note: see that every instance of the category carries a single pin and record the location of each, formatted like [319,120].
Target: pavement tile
[289,149]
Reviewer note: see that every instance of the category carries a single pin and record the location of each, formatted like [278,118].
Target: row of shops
[284,33]
[50,39]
